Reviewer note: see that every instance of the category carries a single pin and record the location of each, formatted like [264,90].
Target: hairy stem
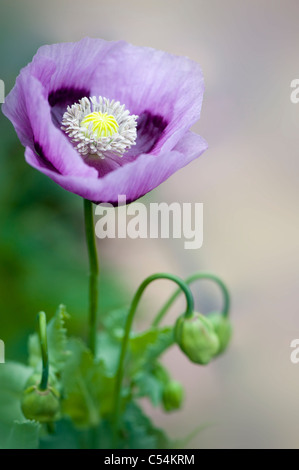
[42,333]
[93,273]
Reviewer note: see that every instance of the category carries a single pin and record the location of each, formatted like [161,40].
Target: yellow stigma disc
[102,124]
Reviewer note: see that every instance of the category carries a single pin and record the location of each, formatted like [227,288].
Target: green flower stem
[190,280]
[132,311]
[93,273]
[42,333]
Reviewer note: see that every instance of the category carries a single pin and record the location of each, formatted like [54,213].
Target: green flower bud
[196,337]
[40,405]
[173,395]
[223,329]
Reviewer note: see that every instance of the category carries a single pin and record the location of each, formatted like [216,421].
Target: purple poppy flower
[107,118]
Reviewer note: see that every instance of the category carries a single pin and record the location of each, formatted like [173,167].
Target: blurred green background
[247,180]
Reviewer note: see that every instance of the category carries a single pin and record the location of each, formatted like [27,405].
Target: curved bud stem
[120,371]
[190,280]
[42,333]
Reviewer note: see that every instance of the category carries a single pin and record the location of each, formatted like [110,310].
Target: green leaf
[15,431]
[57,343]
[87,386]
[115,320]
[149,385]
[147,346]
[140,342]
[150,382]
[140,432]
[109,339]
[108,350]
[19,435]
[147,374]
[13,377]
[143,347]
[164,340]
[57,338]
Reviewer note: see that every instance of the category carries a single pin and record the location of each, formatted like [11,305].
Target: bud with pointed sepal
[173,395]
[196,337]
[40,405]
[223,329]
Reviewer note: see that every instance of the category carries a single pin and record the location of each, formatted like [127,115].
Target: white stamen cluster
[89,142]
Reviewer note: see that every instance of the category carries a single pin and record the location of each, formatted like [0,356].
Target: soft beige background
[248,182]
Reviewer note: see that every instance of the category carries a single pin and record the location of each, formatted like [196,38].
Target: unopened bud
[40,405]
[223,330]
[173,395]
[196,337]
